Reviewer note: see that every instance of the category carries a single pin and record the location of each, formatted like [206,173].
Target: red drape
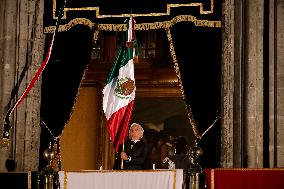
[244,178]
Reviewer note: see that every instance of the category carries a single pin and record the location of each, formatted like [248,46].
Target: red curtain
[245,178]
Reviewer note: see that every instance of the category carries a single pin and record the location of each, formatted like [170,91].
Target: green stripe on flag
[124,54]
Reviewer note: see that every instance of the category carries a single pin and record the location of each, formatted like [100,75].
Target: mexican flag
[119,90]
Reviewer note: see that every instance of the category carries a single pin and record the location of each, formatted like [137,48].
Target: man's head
[135,131]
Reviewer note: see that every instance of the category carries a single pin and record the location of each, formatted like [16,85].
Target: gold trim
[141,26]
[96,36]
[167,13]
[107,171]
[29,180]
[212,172]
[175,179]
[177,70]
[249,169]
[54,9]
[212,179]
[65,180]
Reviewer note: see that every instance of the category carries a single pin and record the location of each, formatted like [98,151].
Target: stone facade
[252,81]
[21,52]
[252,90]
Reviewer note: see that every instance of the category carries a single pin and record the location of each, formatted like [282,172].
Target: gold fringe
[29,180]
[65,180]
[141,26]
[169,7]
[212,179]
[96,36]
[175,179]
[177,70]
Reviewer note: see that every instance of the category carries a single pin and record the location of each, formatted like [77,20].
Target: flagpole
[121,165]
[119,89]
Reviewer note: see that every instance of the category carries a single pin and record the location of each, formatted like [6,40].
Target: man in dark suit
[135,150]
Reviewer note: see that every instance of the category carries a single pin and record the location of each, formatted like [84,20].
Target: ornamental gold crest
[124,87]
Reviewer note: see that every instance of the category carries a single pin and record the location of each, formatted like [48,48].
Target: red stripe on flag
[118,125]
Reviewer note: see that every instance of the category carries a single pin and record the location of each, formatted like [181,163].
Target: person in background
[135,150]
[167,150]
[151,137]
[181,158]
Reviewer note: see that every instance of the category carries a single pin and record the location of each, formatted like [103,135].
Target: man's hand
[124,156]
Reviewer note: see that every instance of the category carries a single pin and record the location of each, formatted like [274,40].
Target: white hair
[136,125]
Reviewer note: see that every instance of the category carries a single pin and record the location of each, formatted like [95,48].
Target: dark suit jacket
[137,151]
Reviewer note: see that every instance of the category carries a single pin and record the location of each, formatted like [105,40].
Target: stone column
[22,46]
[276,89]
[227,92]
[242,85]
[8,64]
[253,75]
[252,31]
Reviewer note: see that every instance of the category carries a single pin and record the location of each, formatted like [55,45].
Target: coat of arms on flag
[119,90]
[124,87]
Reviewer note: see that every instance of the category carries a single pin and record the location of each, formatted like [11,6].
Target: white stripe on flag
[112,103]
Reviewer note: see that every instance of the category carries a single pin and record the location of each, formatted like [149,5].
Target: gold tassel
[5,142]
